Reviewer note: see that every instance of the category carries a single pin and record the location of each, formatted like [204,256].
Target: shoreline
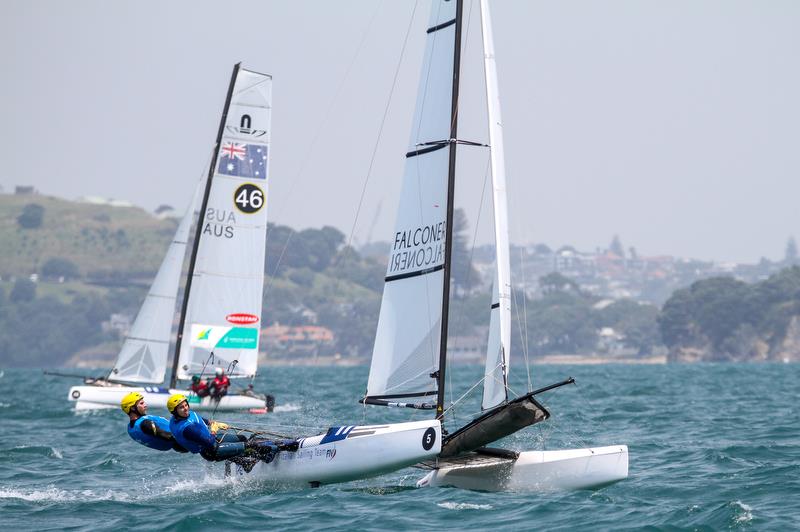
[555,360]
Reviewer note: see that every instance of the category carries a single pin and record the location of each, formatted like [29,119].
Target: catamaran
[409,357]
[465,462]
[221,309]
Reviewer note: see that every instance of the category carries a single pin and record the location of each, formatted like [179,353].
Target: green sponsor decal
[192,399]
[239,338]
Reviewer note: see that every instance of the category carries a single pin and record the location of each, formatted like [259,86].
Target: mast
[198,231]
[451,174]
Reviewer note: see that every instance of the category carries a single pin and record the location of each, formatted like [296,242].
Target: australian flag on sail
[243,160]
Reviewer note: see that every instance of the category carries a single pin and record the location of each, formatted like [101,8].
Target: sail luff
[451,173]
[497,357]
[199,229]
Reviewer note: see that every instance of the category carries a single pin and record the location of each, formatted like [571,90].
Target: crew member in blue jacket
[152,431]
[199,435]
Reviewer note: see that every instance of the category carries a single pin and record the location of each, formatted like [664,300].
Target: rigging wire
[383,123]
[525,318]
[459,312]
[313,143]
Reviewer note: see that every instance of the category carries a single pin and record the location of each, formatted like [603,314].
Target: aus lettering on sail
[219,223]
[419,248]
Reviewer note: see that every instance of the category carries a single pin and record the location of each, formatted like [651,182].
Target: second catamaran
[221,309]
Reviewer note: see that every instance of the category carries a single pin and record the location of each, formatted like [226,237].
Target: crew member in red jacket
[199,387]
[219,386]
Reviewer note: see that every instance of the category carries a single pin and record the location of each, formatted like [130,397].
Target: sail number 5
[428,439]
[248,198]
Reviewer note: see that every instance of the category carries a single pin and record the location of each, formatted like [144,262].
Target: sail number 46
[248,198]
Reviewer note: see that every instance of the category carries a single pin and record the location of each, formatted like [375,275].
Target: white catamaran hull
[98,397]
[354,452]
[534,470]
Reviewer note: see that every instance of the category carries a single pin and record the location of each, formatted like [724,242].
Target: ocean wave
[744,513]
[291,407]
[463,506]
[54,494]
[40,450]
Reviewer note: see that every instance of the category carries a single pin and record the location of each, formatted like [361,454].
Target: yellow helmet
[175,400]
[129,401]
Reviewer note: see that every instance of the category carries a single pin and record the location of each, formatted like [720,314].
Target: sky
[673,124]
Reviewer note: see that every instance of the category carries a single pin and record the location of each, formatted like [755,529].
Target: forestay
[406,351]
[223,311]
[143,357]
[497,356]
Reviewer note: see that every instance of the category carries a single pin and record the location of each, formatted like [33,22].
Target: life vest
[177,426]
[142,437]
[222,382]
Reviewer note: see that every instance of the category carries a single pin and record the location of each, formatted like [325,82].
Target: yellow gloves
[218,425]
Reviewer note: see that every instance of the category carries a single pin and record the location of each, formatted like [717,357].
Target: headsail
[407,341]
[223,309]
[496,375]
[143,357]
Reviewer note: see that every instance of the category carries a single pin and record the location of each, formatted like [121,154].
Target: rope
[312,146]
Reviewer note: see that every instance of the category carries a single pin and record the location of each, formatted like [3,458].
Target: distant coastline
[573,359]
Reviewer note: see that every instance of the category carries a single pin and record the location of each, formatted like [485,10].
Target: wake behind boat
[221,309]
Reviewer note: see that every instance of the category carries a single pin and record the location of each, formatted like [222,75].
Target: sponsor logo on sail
[246,131]
[242,318]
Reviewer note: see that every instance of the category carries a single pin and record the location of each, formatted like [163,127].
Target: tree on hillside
[721,306]
[555,282]
[636,322]
[790,256]
[616,247]
[561,323]
[463,274]
[58,267]
[675,320]
[23,290]
[31,217]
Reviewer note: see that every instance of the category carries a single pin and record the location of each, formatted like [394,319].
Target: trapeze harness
[135,431]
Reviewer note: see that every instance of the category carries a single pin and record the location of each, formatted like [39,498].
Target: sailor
[199,387]
[214,442]
[219,386]
[152,431]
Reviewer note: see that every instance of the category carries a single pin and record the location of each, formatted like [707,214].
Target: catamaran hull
[352,453]
[534,470]
[99,397]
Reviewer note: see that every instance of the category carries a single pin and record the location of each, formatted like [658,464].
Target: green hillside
[101,240]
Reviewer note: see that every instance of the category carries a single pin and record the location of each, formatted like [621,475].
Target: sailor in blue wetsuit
[152,431]
[213,442]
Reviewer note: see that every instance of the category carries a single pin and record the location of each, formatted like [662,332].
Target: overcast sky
[674,124]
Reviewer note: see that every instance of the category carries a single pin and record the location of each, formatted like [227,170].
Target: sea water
[712,447]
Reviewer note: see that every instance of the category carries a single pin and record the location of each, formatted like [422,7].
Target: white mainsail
[496,376]
[406,350]
[223,311]
[143,357]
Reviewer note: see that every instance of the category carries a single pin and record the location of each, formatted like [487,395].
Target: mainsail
[143,357]
[220,323]
[495,383]
[405,357]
